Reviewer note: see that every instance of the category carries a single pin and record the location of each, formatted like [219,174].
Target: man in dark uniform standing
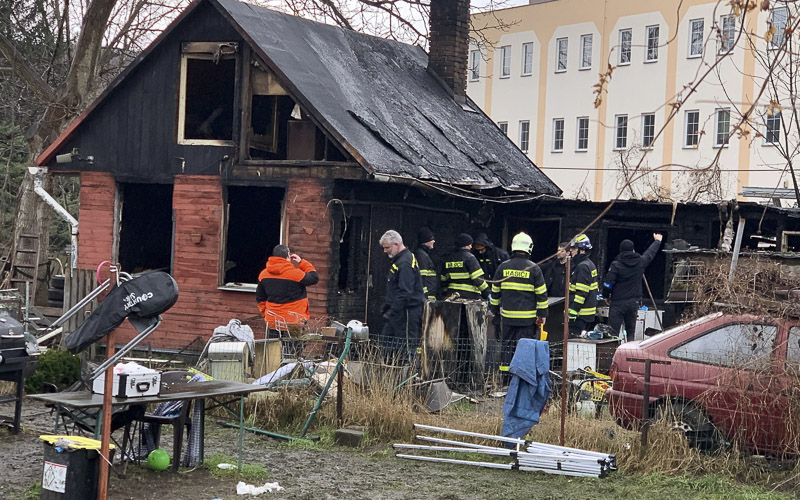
[461,272]
[583,287]
[402,311]
[427,269]
[519,295]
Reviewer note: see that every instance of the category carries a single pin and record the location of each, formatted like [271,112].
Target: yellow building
[699,60]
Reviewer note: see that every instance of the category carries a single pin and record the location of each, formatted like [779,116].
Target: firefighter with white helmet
[583,287]
[519,295]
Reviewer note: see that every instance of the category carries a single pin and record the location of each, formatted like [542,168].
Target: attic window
[208,76]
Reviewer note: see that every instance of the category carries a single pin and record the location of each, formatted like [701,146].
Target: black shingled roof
[389,112]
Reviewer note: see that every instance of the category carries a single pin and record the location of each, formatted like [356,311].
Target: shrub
[55,367]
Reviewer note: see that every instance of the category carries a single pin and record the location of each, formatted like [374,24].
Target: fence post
[646,396]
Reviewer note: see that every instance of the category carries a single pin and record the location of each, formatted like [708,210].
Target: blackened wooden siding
[133,132]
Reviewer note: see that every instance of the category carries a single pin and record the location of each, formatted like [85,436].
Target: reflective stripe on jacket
[461,273]
[430,278]
[583,289]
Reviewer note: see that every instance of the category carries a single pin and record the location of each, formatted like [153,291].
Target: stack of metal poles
[526,455]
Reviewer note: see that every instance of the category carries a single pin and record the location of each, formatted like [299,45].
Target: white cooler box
[146,382]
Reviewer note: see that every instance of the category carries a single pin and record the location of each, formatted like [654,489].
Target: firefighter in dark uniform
[461,272]
[427,269]
[519,294]
[583,287]
[402,311]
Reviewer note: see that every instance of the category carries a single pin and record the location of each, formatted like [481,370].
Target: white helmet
[522,243]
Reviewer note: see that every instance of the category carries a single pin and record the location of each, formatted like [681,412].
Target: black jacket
[461,273]
[583,289]
[427,269]
[490,259]
[404,284]
[555,277]
[623,283]
[521,296]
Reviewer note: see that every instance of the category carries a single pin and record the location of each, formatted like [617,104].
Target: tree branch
[25,71]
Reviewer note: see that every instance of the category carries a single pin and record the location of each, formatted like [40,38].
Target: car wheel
[691,420]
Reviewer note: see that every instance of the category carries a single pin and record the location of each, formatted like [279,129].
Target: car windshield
[679,328]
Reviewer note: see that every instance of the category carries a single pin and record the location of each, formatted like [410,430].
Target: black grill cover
[145,296]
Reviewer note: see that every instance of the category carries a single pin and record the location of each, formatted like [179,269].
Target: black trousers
[402,333]
[625,313]
[511,335]
[576,326]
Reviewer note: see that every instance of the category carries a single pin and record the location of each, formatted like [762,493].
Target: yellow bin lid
[75,442]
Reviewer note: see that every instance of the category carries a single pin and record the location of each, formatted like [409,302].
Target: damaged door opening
[146,227]
[253,228]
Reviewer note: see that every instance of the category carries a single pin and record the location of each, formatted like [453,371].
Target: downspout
[73,223]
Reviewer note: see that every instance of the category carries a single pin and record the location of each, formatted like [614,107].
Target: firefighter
[281,288]
[402,311]
[520,295]
[583,287]
[430,278]
[461,272]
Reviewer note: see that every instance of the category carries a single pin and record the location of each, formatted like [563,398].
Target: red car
[728,377]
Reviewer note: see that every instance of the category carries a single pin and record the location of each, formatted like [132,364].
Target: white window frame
[780,31]
[582,133]
[625,49]
[645,116]
[775,118]
[696,50]
[474,65]
[524,135]
[505,61]
[527,59]
[558,135]
[696,135]
[719,113]
[620,125]
[586,45]
[503,126]
[726,40]
[559,43]
[651,44]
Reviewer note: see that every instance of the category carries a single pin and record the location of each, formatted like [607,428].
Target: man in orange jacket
[282,286]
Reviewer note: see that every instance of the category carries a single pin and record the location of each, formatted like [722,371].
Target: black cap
[482,239]
[626,246]
[463,240]
[424,235]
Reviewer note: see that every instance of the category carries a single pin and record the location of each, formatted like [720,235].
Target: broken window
[252,229]
[208,76]
[146,227]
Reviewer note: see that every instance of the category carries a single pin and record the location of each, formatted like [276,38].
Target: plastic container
[70,471]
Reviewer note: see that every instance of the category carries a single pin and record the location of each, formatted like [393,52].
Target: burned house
[240,128]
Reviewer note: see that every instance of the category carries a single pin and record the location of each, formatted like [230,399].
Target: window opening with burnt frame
[252,228]
[207,90]
[352,255]
[145,227]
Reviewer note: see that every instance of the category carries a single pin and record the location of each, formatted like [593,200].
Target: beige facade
[537,79]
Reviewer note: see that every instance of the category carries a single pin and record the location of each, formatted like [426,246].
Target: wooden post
[646,405]
[564,351]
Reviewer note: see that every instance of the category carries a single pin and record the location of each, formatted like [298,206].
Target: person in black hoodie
[555,271]
[623,284]
[488,255]
[427,269]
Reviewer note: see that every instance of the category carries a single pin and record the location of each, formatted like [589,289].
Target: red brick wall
[197,202]
[96,219]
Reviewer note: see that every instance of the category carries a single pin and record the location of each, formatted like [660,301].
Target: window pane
[583,134]
[524,131]
[558,134]
[779,23]
[773,134]
[625,46]
[527,58]
[728,34]
[505,54]
[648,129]
[586,51]
[652,43]
[562,54]
[503,127]
[696,37]
[622,132]
[793,350]
[475,64]
[692,127]
[740,345]
[723,126]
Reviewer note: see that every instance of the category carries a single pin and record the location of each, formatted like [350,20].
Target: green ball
[158,459]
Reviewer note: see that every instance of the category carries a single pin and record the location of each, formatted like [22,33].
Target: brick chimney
[449,44]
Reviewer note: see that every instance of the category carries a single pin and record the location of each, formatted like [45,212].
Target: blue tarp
[529,388]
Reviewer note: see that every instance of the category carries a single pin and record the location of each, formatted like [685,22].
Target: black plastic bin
[71,473]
